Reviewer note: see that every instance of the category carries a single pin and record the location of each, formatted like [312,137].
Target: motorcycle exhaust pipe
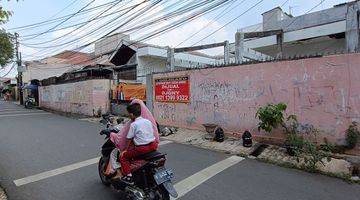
[139,195]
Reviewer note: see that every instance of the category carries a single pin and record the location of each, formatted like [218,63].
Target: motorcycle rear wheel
[101,169]
[163,194]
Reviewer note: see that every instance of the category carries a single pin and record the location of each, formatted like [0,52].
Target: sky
[28,12]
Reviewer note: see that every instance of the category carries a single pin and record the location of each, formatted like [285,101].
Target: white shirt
[141,131]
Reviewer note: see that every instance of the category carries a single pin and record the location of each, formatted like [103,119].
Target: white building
[326,31]
[139,59]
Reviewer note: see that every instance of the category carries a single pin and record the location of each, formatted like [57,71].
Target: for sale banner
[128,91]
[174,89]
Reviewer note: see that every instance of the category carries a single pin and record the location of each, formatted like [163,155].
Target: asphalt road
[33,142]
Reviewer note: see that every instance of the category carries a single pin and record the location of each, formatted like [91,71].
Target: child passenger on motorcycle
[140,140]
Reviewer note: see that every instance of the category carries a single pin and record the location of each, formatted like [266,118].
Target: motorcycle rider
[120,139]
[141,136]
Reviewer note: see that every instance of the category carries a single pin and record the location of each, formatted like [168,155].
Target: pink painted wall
[324,92]
[81,97]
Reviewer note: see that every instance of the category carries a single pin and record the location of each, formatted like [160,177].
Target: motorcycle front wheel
[101,168]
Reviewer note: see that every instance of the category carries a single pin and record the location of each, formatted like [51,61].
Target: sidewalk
[338,167]
[198,138]
[16,102]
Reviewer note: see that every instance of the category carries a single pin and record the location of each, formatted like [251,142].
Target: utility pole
[170,63]
[19,68]
[226,52]
[239,47]
[352,28]
[280,41]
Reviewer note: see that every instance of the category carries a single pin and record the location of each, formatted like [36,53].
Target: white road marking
[25,114]
[21,111]
[165,142]
[188,184]
[51,173]
[62,170]
[7,110]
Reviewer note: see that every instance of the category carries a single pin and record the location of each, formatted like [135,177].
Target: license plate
[163,175]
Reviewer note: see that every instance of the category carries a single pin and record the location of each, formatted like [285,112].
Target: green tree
[6,48]
[6,39]
[4,15]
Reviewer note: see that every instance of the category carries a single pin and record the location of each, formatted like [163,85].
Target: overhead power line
[172,26]
[168,16]
[50,21]
[102,27]
[188,18]
[42,33]
[225,25]
[252,7]
[180,22]
[313,8]
[157,19]
[85,22]
[11,69]
[73,31]
[66,7]
[221,14]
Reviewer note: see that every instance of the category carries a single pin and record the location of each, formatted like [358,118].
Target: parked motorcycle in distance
[31,91]
[152,181]
[30,103]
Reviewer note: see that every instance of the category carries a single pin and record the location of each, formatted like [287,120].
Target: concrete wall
[324,92]
[312,19]
[315,46]
[84,97]
[272,17]
[119,109]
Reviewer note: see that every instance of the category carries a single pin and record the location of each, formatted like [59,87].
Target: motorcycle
[152,181]
[29,102]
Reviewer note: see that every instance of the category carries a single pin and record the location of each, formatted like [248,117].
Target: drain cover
[259,148]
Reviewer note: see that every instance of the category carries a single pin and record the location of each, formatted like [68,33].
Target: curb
[272,154]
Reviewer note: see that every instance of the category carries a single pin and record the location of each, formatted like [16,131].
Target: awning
[30,87]
[5,90]
[122,55]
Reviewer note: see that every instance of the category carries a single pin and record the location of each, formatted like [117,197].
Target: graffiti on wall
[320,93]
[82,97]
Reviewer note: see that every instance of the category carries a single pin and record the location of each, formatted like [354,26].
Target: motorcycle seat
[151,156]
[107,116]
[137,164]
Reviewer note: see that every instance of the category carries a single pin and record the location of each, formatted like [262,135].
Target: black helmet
[219,134]
[247,139]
